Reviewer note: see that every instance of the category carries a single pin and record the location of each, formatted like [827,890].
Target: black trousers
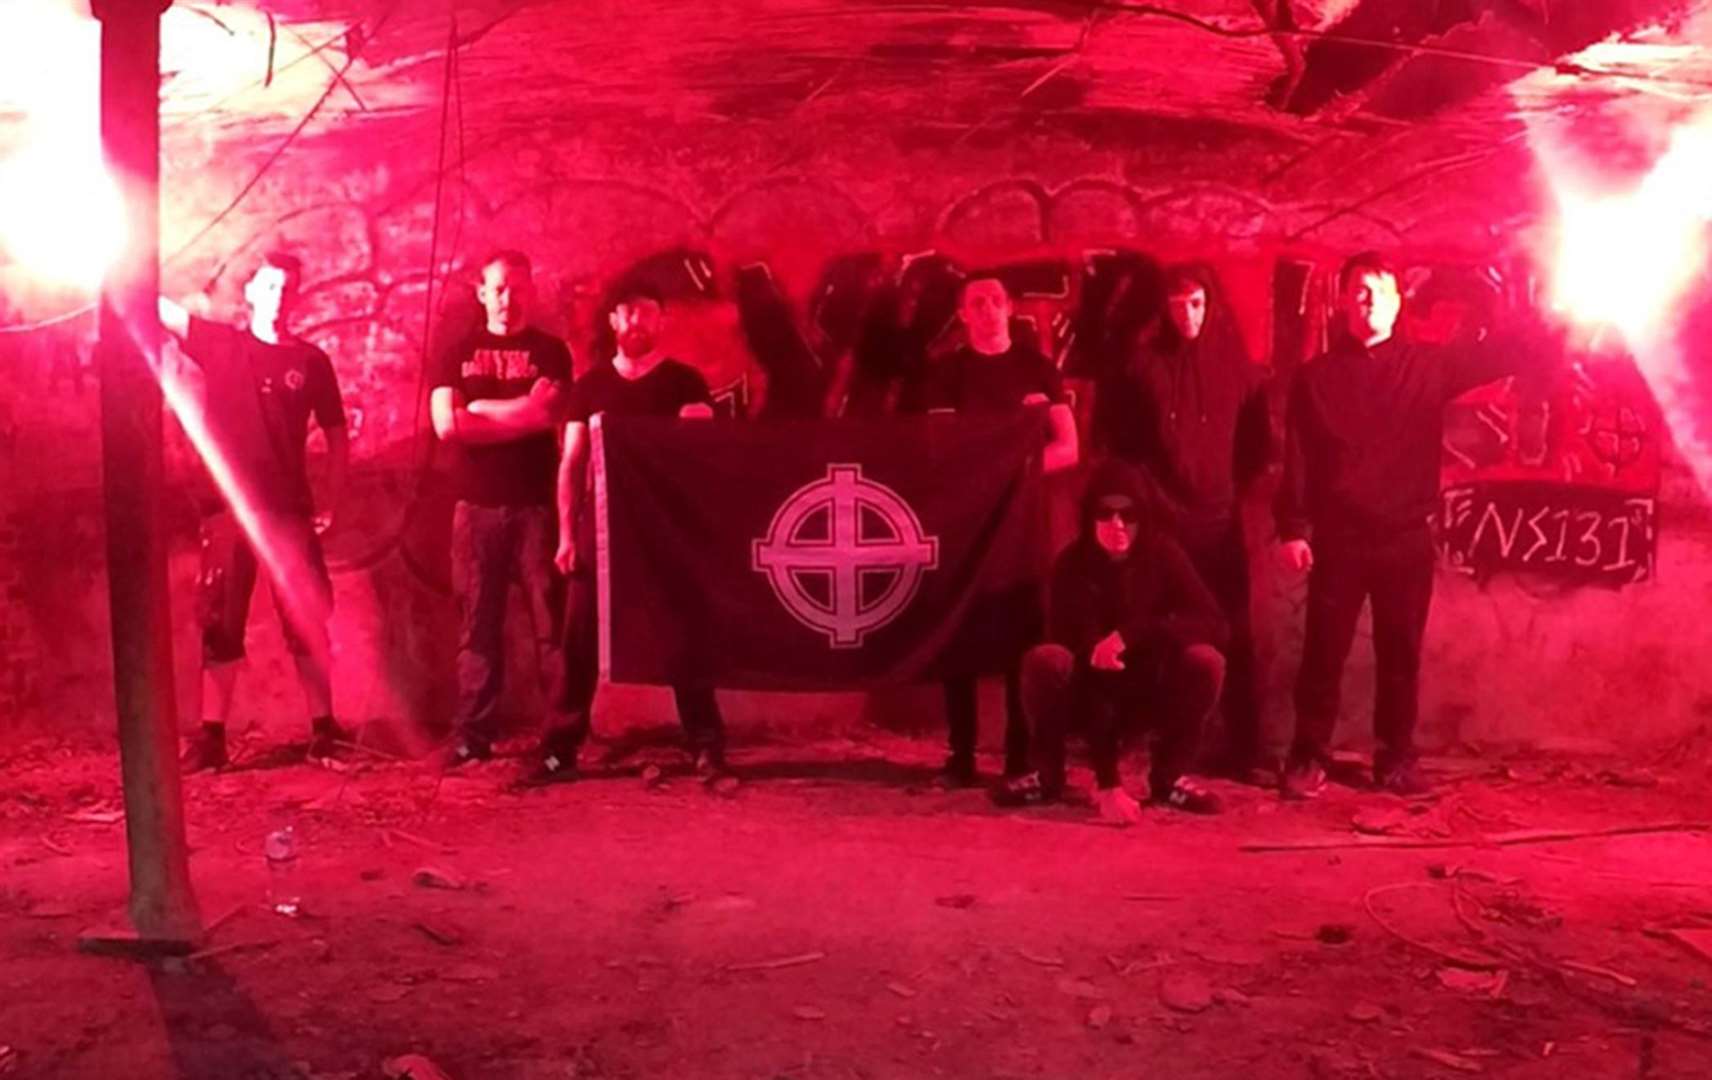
[962,720]
[1175,691]
[227,580]
[698,707]
[1396,572]
[1221,558]
[491,547]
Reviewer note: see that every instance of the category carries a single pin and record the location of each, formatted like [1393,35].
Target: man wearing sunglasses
[1133,634]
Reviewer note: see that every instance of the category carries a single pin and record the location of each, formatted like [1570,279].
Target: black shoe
[1024,790]
[462,752]
[550,769]
[957,772]
[328,742]
[555,762]
[711,770]
[204,750]
[1403,778]
[1266,774]
[1191,798]
[1303,780]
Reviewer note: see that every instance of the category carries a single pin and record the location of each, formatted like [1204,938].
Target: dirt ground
[840,918]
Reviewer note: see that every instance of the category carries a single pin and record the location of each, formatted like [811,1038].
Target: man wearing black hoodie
[1364,431]
[1190,408]
[1131,629]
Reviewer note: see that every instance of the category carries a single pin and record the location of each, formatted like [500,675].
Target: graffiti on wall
[1559,483]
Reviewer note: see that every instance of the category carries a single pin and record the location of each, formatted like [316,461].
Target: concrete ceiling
[1090,68]
[1303,99]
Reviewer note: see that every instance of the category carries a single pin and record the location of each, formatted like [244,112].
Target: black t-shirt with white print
[484,366]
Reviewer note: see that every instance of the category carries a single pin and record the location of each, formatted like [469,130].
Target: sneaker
[462,752]
[1403,779]
[204,750]
[1303,780]
[957,772]
[1190,797]
[328,742]
[1117,807]
[1024,790]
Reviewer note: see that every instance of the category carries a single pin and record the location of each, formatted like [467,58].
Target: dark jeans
[1221,558]
[491,547]
[1397,573]
[227,580]
[698,707]
[962,720]
[1176,690]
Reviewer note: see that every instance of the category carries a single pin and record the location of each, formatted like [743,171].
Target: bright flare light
[60,215]
[61,220]
[1625,260]
[1631,260]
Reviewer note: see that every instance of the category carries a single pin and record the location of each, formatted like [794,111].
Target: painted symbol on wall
[845,555]
[1616,435]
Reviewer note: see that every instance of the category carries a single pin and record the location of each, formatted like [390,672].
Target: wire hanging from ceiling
[1562,67]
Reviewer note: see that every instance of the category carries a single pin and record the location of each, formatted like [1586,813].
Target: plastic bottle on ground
[284,895]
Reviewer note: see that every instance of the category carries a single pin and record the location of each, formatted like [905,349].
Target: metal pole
[163,907]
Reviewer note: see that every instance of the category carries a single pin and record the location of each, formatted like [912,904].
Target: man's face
[1188,310]
[271,293]
[505,292]
[985,309]
[1116,521]
[636,324]
[1370,305]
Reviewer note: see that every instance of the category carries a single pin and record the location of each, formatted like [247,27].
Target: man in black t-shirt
[496,396]
[640,381]
[260,388]
[993,373]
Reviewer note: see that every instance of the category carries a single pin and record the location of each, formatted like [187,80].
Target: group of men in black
[1147,619]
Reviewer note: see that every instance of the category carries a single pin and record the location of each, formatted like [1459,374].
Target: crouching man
[1133,637]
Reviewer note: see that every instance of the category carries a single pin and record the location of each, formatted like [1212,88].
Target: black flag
[817,555]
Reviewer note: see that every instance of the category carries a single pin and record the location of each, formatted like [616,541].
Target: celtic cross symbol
[845,555]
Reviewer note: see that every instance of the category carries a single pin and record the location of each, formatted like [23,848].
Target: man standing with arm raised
[1363,444]
[260,387]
